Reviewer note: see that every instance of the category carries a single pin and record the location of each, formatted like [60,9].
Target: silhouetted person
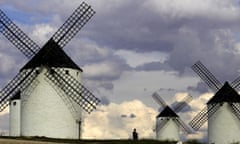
[135,134]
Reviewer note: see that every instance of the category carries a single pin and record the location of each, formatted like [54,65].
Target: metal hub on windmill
[168,123]
[222,111]
[46,97]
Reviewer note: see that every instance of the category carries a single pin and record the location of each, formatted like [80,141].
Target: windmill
[222,111]
[46,97]
[168,123]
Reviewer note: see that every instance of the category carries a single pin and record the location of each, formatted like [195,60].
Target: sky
[130,49]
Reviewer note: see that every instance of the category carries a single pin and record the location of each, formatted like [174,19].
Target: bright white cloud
[135,59]
[41,33]
[106,69]
[116,121]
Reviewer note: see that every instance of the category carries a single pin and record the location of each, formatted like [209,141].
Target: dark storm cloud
[187,36]
[201,88]
[131,26]
[186,32]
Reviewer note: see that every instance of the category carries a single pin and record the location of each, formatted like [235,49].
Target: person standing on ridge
[135,134]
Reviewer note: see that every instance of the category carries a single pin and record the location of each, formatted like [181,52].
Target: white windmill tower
[46,96]
[222,111]
[168,123]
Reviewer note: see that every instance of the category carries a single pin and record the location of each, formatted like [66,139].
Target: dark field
[43,140]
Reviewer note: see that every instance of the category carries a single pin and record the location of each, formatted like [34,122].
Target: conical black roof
[225,94]
[51,55]
[167,112]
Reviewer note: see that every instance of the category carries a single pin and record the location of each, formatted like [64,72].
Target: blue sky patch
[24,17]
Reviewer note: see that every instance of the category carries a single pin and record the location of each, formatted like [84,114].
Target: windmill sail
[203,116]
[158,99]
[73,24]
[207,76]
[17,37]
[183,126]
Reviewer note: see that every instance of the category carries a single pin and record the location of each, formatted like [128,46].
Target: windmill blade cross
[74,89]
[186,129]
[73,24]
[17,37]
[203,116]
[20,82]
[158,99]
[207,76]
[178,107]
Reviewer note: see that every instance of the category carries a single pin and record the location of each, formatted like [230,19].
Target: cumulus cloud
[41,33]
[135,59]
[105,69]
[116,121]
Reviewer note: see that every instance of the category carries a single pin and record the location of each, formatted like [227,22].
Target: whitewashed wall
[170,131]
[223,126]
[45,113]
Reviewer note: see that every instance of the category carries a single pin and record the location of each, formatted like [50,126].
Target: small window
[51,71]
[14,103]
[37,72]
[67,72]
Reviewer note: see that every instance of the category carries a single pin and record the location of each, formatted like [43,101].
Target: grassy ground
[43,140]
